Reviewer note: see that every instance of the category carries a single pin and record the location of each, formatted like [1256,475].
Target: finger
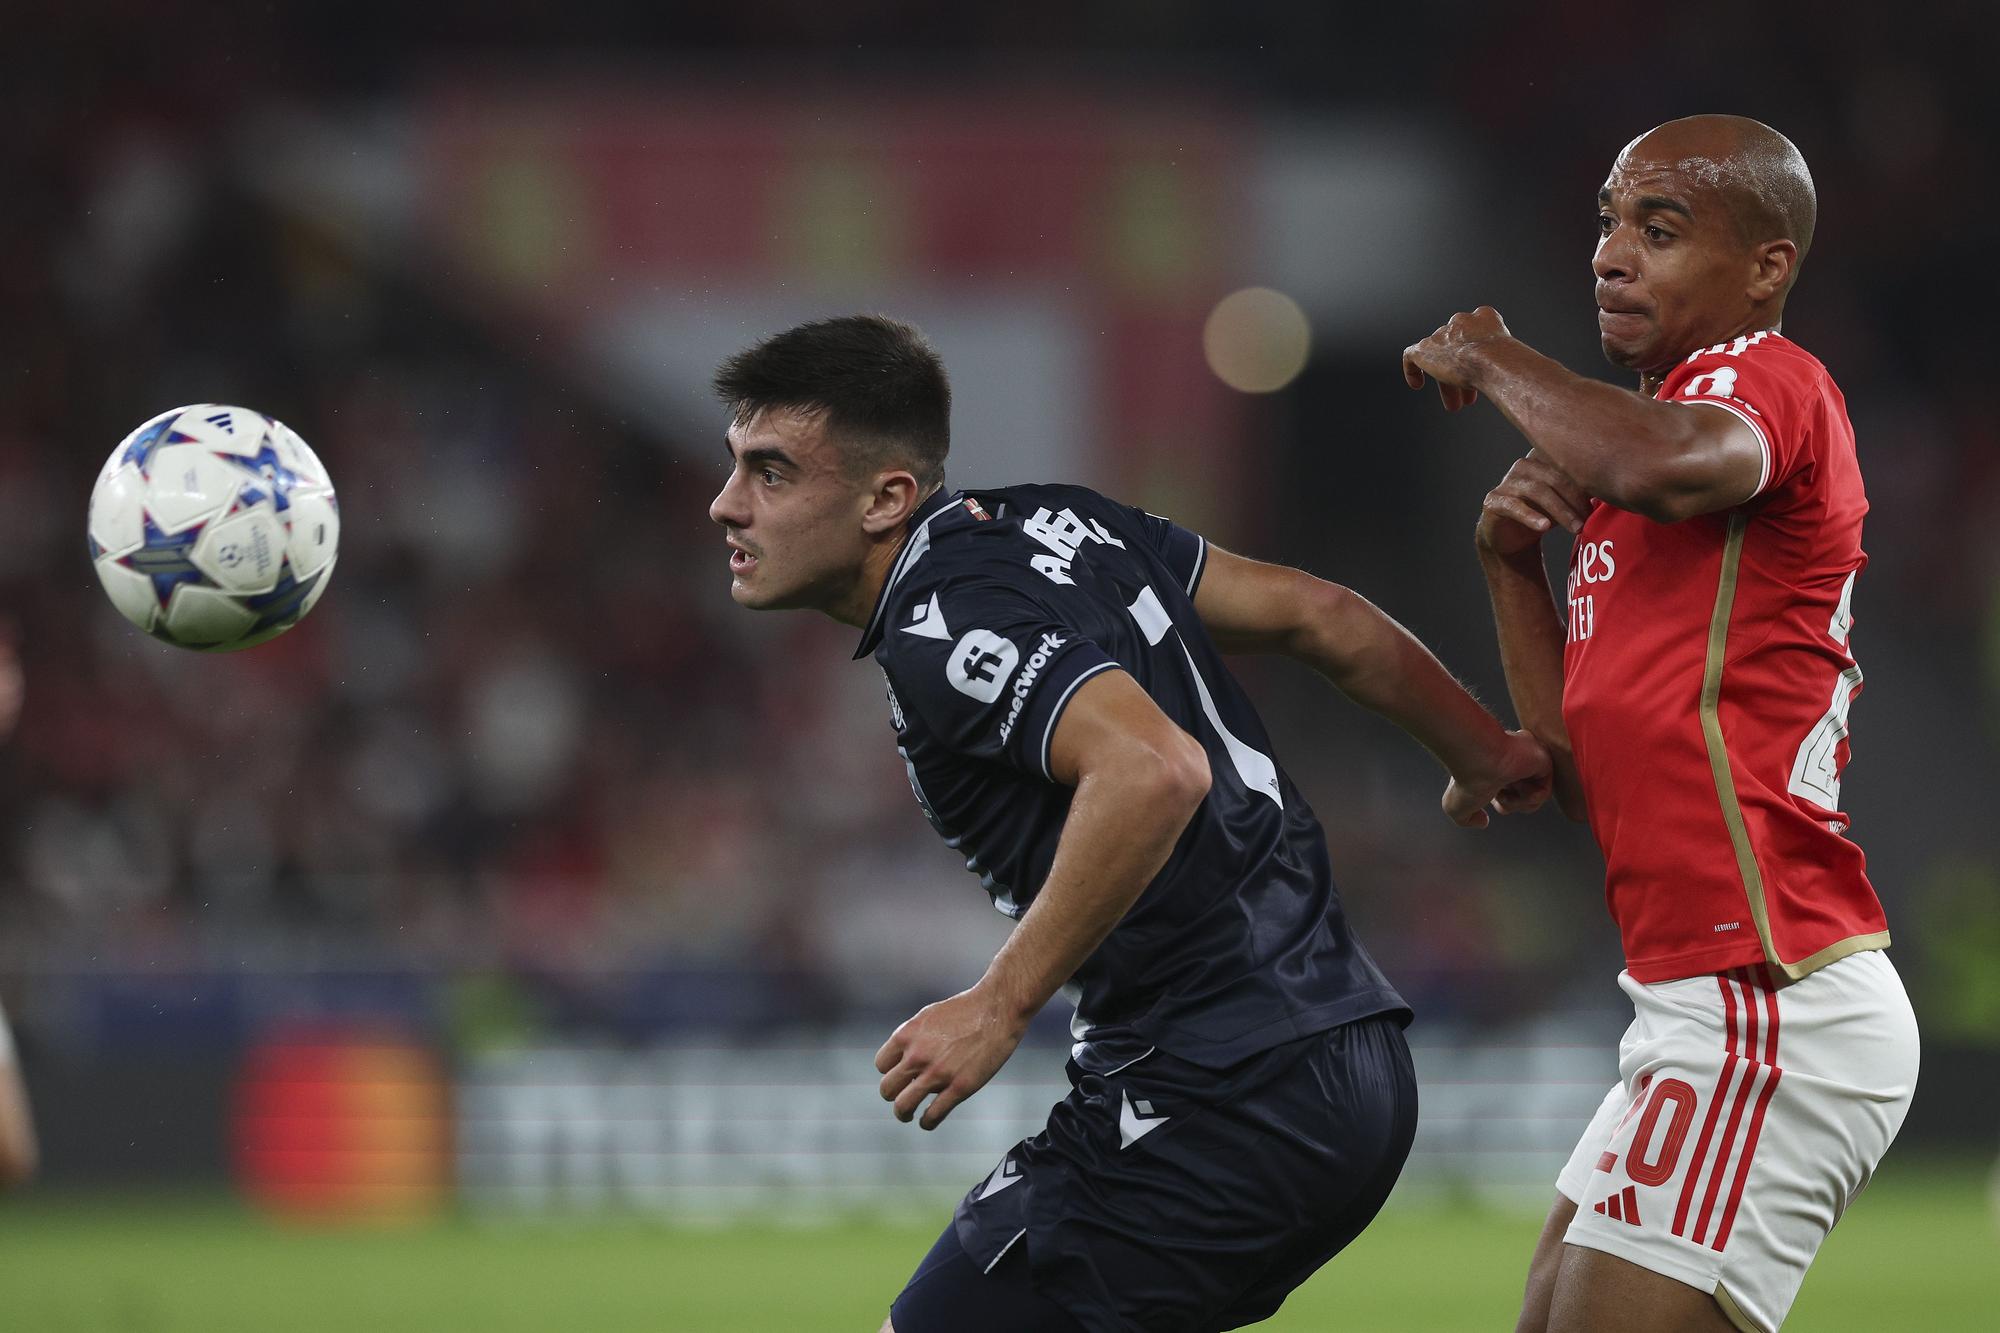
[1547,499]
[898,1079]
[913,1096]
[1532,469]
[892,1050]
[1413,374]
[1474,819]
[1507,506]
[941,1106]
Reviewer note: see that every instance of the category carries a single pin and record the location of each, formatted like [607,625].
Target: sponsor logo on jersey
[1590,563]
[1029,675]
[980,663]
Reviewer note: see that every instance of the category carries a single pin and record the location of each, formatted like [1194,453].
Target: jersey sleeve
[988,670]
[1185,552]
[1761,386]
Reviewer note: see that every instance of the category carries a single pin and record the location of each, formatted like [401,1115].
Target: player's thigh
[950,1293]
[1543,1266]
[1595,1291]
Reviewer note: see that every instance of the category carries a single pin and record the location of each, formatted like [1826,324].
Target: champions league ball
[213,527]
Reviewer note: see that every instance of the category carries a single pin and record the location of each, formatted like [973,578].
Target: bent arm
[1531,633]
[1667,461]
[1248,606]
[1139,779]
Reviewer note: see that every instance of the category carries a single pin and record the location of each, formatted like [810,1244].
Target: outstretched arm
[1139,779]
[1249,606]
[1667,461]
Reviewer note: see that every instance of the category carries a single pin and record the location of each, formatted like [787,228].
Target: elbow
[1184,776]
[1329,633]
[1163,777]
[1176,778]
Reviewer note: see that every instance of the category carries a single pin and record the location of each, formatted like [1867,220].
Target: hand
[1533,497]
[1447,356]
[1516,781]
[951,1048]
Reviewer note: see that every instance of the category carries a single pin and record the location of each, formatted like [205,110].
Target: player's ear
[891,501]
[1771,269]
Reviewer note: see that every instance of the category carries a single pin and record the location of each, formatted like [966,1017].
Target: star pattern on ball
[267,467]
[164,559]
[143,445]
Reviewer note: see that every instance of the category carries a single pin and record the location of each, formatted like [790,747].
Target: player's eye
[1605,222]
[1658,233]
[768,476]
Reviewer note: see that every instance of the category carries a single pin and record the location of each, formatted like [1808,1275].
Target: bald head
[1759,173]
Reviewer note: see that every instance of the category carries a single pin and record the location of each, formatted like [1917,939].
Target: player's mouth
[741,559]
[1619,314]
[1611,319]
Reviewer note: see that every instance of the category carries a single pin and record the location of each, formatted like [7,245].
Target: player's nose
[726,508]
[1614,260]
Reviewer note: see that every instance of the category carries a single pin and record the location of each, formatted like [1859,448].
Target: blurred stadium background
[506,946]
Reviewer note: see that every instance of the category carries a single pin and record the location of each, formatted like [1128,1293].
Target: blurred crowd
[526,740]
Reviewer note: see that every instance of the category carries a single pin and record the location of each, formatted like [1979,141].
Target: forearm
[1532,633]
[1384,668]
[18,1152]
[1622,447]
[1120,831]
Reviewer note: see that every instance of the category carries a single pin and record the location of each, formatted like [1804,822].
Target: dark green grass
[1917,1254]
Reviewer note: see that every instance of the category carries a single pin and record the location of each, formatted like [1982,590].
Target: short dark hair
[877,381]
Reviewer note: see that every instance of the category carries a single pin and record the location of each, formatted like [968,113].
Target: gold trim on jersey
[1725,780]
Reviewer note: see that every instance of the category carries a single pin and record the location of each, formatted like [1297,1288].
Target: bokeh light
[1256,340]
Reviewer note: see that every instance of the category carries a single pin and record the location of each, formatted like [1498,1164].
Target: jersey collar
[916,541]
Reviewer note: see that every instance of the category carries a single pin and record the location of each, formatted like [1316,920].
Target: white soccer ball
[213,527]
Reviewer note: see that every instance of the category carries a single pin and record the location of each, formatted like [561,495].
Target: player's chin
[755,590]
[1625,353]
[749,592]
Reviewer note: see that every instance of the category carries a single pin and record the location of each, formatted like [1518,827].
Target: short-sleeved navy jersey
[999,606]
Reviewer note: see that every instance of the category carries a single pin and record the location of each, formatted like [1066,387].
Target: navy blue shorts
[1170,1198]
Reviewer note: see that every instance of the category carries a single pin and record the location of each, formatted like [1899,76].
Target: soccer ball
[213,527]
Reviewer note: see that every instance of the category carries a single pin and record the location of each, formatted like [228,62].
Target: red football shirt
[1707,681]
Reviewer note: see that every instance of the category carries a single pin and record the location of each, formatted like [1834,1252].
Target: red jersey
[1707,681]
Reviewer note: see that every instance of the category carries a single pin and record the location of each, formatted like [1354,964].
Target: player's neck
[856,606]
[1762,320]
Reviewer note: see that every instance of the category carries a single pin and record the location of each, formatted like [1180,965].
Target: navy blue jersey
[999,606]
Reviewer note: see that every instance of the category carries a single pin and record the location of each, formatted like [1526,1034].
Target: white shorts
[1747,1117]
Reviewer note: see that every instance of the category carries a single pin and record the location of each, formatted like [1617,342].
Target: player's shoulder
[969,560]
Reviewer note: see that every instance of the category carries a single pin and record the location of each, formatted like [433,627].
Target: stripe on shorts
[1737,1105]
[1757,1117]
[1715,1100]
